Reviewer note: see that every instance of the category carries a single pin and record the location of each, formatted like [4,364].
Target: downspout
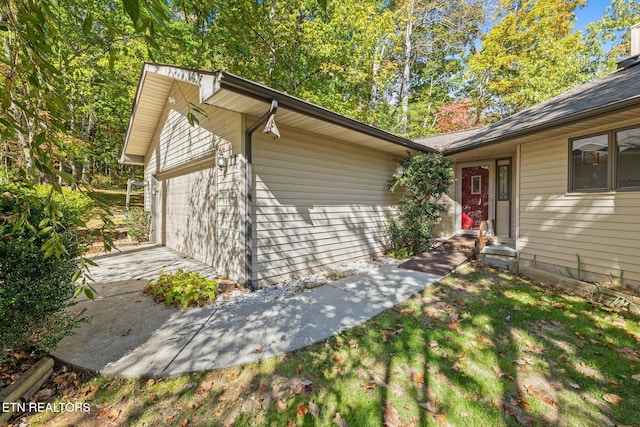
[248,247]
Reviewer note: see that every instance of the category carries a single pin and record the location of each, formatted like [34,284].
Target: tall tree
[436,37]
[530,55]
[608,37]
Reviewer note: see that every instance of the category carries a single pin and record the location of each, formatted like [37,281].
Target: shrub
[138,224]
[103,182]
[36,291]
[400,253]
[424,178]
[182,288]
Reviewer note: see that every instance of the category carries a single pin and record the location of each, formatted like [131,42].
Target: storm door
[475,196]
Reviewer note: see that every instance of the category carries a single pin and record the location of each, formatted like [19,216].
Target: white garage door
[190,214]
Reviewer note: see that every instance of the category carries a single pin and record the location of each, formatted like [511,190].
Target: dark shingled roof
[614,91]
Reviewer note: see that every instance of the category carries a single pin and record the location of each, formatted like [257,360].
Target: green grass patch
[481,348]
[115,200]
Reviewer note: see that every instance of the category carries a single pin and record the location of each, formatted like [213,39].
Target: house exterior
[258,209]
[558,181]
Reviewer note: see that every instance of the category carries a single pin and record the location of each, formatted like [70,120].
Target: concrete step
[506,262]
[501,250]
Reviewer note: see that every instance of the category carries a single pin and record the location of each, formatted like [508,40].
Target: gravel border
[287,288]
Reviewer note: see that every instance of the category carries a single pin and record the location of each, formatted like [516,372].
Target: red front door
[475,196]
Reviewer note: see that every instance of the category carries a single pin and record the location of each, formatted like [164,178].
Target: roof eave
[587,114]
[224,80]
[123,156]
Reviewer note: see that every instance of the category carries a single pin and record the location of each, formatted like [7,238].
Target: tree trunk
[377,60]
[406,70]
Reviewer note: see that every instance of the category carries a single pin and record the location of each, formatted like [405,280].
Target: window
[605,162]
[628,158]
[503,183]
[476,184]
[589,161]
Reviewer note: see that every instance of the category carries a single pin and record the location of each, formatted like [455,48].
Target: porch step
[501,256]
[502,250]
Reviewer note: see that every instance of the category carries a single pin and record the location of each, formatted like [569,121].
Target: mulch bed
[16,363]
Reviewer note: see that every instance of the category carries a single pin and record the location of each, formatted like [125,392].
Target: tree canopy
[414,67]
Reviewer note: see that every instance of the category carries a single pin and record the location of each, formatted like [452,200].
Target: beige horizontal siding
[556,225]
[203,213]
[317,203]
[180,142]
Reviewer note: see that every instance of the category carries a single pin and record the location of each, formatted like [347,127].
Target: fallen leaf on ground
[430,407]
[232,376]
[417,378]
[43,394]
[391,418]
[526,420]
[184,422]
[630,354]
[126,332]
[497,402]
[314,409]
[337,358]
[113,414]
[614,399]
[339,421]
[259,350]
[281,405]
[636,377]
[441,419]
[378,381]
[483,340]
[301,411]
[299,369]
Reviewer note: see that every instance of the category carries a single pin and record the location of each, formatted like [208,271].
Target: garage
[189,214]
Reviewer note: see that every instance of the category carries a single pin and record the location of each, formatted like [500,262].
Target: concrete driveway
[132,336]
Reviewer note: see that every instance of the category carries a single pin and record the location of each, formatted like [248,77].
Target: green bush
[103,182]
[400,253]
[36,291]
[138,224]
[73,204]
[183,288]
[424,178]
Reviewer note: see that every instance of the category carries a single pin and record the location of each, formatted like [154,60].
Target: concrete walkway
[132,336]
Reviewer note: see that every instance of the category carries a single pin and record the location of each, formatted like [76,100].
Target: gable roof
[231,92]
[617,90]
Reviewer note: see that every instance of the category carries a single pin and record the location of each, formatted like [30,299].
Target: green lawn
[116,201]
[480,348]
